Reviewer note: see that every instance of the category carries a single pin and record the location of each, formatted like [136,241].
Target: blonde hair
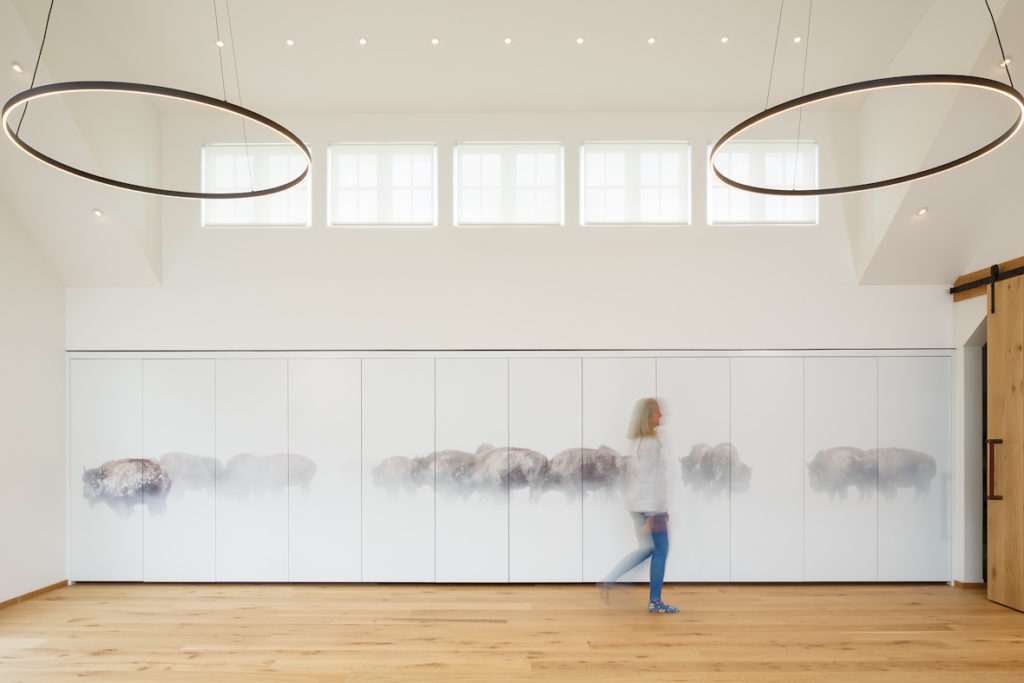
[640,422]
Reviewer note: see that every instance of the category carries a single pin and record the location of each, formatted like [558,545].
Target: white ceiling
[615,69]
[471,69]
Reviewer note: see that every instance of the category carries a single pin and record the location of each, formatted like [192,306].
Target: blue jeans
[649,544]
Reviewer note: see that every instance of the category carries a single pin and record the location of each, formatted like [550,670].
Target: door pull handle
[992,469]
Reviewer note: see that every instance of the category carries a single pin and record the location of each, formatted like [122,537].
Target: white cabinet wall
[252,484]
[324,469]
[767,431]
[105,424]
[398,470]
[178,432]
[840,478]
[477,467]
[610,388]
[694,395]
[914,469]
[545,414]
[471,433]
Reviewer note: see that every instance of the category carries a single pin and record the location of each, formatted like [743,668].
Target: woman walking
[646,499]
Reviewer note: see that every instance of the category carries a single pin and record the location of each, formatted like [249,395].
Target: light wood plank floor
[755,633]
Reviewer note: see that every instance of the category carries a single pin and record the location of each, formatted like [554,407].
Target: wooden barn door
[1005,448]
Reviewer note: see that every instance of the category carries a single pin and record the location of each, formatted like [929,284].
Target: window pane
[594,165]
[508,183]
[383,175]
[615,168]
[401,170]
[783,164]
[238,167]
[642,182]
[423,170]
[526,167]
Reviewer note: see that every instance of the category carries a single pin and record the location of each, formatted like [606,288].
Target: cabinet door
[767,499]
[840,475]
[914,418]
[178,426]
[472,463]
[324,478]
[695,436]
[611,386]
[545,505]
[398,469]
[252,483]
[107,473]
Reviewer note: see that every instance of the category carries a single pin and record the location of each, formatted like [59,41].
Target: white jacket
[646,489]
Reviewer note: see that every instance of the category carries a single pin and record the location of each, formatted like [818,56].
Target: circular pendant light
[52,89]
[37,92]
[867,86]
[988,84]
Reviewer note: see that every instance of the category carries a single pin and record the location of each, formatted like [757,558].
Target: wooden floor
[756,633]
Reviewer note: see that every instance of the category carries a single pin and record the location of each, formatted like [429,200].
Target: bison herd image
[706,469]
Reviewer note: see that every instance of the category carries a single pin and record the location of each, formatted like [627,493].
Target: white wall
[969,334]
[32,366]
[563,287]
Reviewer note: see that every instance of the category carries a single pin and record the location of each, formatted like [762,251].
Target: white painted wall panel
[840,476]
[694,394]
[398,469]
[105,406]
[914,433]
[767,431]
[471,439]
[545,507]
[325,469]
[252,486]
[178,432]
[611,386]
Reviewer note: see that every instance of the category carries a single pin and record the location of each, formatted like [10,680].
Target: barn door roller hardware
[995,275]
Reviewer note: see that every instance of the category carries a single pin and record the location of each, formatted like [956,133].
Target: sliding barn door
[1006,444]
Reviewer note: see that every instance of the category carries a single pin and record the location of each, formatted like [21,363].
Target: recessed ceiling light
[434,41]
[651,40]
[220,43]
[362,41]
[1006,62]
[579,40]
[289,42]
[17,68]
[797,39]
[98,213]
[724,39]
[922,211]
[508,41]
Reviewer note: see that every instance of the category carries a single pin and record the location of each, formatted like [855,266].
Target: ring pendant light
[37,92]
[994,86]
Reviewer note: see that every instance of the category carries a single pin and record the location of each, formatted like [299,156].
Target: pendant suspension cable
[238,90]
[775,52]
[1006,63]
[39,58]
[803,86]
[220,54]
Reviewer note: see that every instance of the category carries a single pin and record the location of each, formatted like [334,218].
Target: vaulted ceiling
[687,68]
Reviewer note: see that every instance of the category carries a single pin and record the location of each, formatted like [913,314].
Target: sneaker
[658,607]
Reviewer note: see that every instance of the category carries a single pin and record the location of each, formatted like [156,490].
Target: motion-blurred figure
[648,504]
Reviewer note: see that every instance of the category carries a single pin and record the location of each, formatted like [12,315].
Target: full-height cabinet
[511,467]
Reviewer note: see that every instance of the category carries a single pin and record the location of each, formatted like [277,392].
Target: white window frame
[379,224]
[507,189]
[762,197]
[634,189]
[307,182]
